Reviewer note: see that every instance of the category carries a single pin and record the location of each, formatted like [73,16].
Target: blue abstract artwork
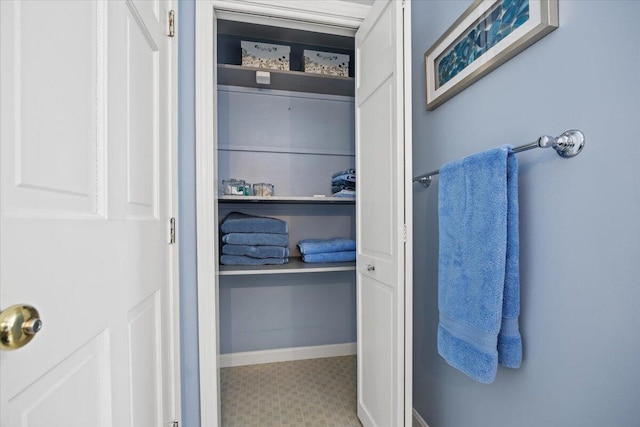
[496,24]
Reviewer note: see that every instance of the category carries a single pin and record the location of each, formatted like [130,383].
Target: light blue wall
[579,221]
[286,310]
[187,220]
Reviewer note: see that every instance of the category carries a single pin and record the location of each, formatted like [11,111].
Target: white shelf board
[287,199]
[295,265]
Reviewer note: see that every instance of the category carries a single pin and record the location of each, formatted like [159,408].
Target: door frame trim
[207,212]
[408,217]
[174,208]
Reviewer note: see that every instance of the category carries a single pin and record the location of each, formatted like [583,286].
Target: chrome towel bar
[569,144]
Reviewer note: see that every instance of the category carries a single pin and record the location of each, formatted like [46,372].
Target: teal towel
[237,222]
[317,246]
[256,239]
[344,256]
[478,279]
[256,251]
[245,260]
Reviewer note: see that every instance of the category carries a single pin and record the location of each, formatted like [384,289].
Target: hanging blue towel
[237,222]
[259,239]
[335,244]
[330,257]
[478,279]
[246,260]
[256,251]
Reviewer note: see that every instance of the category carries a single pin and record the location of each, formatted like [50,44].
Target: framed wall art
[489,33]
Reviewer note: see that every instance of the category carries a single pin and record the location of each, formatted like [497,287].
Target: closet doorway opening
[296,133]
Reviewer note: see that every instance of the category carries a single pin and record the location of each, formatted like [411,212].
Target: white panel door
[85,186]
[380,211]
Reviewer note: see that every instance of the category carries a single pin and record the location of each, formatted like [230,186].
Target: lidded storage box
[264,55]
[335,64]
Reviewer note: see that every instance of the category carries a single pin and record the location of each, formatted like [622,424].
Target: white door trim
[174,257]
[230,360]
[418,421]
[207,213]
[408,220]
[328,16]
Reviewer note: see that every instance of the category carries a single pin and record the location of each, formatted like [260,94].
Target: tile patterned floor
[305,393]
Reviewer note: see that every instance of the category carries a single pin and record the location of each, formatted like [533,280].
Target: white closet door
[380,216]
[85,179]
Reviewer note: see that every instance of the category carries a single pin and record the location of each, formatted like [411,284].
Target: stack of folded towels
[328,250]
[343,183]
[254,240]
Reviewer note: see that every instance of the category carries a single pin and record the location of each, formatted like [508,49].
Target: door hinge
[172,23]
[404,232]
[172,230]
[175,424]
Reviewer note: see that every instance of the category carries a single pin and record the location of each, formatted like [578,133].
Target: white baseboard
[286,354]
[418,421]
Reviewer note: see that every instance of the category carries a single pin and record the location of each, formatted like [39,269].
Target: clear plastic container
[263,189]
[233,187]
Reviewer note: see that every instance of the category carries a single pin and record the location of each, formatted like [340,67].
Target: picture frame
[485,36]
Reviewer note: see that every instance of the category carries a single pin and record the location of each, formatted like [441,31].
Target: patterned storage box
[335,64]
[263,55]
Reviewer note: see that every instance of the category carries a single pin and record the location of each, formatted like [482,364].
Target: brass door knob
[18,325]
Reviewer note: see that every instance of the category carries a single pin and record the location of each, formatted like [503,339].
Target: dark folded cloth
[344,178]
[257,239]
[317,246]
[256,251]
[237,222]
[350,171]
[245,260]
[330,257]
[337,188]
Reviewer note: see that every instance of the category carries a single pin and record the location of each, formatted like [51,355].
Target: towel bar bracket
[425,180]
[567,145]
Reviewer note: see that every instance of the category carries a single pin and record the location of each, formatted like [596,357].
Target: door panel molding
[50,181]
[91,405]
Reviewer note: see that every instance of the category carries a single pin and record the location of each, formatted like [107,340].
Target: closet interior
[293,133]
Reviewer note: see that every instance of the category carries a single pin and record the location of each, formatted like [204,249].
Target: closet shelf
[303,200]
[295,265]
[296,81]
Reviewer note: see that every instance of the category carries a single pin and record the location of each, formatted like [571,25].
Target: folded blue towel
[335,244]
[256,251]
[237,222]
[349,171]
[478,279]
[330,257]
[343,178]
[245,260]
[256,239]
